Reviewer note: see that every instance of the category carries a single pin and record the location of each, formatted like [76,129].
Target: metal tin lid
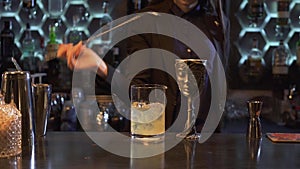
[16,75]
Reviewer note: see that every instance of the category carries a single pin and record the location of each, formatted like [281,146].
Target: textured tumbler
[16,85]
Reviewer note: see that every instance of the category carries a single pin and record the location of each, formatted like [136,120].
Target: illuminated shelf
[265,30]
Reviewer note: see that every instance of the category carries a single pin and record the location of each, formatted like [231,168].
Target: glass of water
[148,112]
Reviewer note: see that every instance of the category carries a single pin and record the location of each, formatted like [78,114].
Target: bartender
[207,15]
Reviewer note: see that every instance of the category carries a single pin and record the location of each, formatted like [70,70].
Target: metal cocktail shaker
[42,106]
[16,85]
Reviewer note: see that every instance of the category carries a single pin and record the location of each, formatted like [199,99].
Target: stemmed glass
[190,150]
[191,77]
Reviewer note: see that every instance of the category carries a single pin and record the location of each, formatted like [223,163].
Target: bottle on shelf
[52,45]
[255,11]
[252,68]
[51,62]
[7,37]
[280,85]
[7,40]
[30,7]
[283,12]
[83,15]
[282,21]
[280,76]
[105,25]
[75,35]
[28,59]
[280,65]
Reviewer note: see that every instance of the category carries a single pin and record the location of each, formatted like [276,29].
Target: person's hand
[70,53]
[80,57]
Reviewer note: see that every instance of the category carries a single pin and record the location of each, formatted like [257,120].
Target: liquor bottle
[7,41]
[30,7]
[28,59]
[8,51]
[51,64]
[52,46]
[283,12]
[75,35]
[252,68]
[105,24]
[84,15]
[255,11]
[280,68]
[280,75]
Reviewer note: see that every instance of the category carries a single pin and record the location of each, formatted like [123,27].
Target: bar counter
[62,150]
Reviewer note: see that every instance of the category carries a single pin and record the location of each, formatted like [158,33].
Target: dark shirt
[208,21]
[202,16]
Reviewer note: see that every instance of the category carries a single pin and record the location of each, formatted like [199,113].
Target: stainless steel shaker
[42,106]
[16,85]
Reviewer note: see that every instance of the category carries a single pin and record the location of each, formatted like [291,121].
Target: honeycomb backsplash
[265,31]
[242,33]
[89,11]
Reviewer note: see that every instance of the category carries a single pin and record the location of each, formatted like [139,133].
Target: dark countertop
[60,150]
[240,126]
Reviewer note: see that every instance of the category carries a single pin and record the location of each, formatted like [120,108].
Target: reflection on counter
[254,148]
[190,150]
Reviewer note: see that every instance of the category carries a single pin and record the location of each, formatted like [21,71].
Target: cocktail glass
[148,112]
[191,77]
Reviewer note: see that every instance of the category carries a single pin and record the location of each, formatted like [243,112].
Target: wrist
[102,69]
